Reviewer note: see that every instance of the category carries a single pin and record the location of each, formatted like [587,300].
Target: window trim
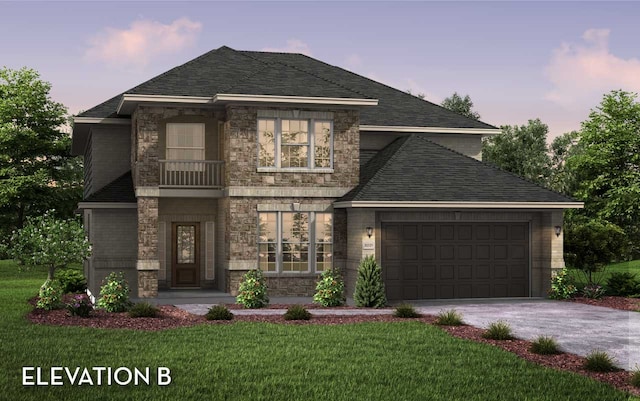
[311,145]
[312,242]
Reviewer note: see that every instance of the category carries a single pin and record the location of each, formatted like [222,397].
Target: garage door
[455,260]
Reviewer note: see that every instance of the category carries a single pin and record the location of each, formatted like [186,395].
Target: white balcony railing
[192,174]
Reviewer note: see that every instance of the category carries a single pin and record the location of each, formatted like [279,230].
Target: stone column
[557,241]
[148,263]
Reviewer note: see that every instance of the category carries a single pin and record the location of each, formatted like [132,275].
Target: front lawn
[242,361]
[632,267]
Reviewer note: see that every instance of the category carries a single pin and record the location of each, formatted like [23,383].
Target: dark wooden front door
[185,255]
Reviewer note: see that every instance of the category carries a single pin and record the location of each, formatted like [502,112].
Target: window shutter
[209,254]
[162,250]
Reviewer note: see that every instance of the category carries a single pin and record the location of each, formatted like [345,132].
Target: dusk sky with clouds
[517,60]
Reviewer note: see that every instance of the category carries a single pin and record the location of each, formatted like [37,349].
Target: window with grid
[294,143]
[185,144]
[295,242]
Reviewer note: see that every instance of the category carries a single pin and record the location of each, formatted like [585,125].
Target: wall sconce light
[369,231]
[558,230]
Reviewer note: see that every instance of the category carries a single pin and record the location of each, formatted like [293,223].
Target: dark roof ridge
[493,166]
[306,72]
[387,162]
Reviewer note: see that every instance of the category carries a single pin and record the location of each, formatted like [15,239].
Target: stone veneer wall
[240,214]
[240,153]
[148,263]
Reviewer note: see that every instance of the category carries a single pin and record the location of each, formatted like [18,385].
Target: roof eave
[430,130]
[458,205]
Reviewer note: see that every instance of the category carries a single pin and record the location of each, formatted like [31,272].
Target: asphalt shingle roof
[226,70]
[118,190]
[412,168]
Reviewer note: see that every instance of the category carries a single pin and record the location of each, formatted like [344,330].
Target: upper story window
[185,141]
[290,143]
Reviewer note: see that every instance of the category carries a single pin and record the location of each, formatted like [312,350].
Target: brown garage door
[455,260]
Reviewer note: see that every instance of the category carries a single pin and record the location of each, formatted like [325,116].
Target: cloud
[585,71]
[293,46]
[353,61]
[142,41]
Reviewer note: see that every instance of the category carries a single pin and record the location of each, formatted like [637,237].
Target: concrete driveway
[578,328]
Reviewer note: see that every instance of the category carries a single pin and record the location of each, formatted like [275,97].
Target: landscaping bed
[172,317]
[621,303]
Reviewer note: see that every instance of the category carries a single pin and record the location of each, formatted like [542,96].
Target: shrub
[219,312]
[561,286]
[330,289]
[253,290]
[623,284]
[405,311]
[544,346]
[635,377]
[114,293]
[369,290]
[297,312]
[599,361]
[50,296]
[593,291]
[498,331]
[71,280]
[79,305]
[449,317]
[144,309]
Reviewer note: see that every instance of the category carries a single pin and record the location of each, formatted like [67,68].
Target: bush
[79,305]
[50,295]
[561,286]
[593,291]
[498,331]
[144,309]
[635,377]
[623,284]
[297,312]
[449,317]
[114,293]
[72,281]
[330,289]
[544,346]
[253,290]
[599,361]
[219,312]
[405,311]
[369,290]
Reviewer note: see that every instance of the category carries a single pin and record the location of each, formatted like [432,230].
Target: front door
[185,266]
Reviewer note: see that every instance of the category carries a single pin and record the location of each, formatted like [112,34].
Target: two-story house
[240,160]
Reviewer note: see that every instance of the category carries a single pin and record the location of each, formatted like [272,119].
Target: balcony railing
[191,174]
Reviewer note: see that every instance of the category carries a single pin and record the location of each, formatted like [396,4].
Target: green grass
[248,361]
[632,266]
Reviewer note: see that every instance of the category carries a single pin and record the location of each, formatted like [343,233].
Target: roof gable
[414,169]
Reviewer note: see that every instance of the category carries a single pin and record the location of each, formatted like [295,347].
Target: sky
[516,60]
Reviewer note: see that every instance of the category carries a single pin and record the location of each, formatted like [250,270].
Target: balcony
[192,174]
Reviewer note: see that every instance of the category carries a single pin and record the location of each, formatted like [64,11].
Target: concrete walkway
[577,328]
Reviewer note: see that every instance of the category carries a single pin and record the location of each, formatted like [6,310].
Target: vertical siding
[109,159]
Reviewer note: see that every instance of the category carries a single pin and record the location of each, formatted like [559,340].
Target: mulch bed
[173,317]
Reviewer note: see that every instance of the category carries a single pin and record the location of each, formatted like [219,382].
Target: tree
[607,167]
[419,95]
[48,242]
[369,290]
[460,105]
[562,149]
[37,172]
[591,244]
[521,150]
